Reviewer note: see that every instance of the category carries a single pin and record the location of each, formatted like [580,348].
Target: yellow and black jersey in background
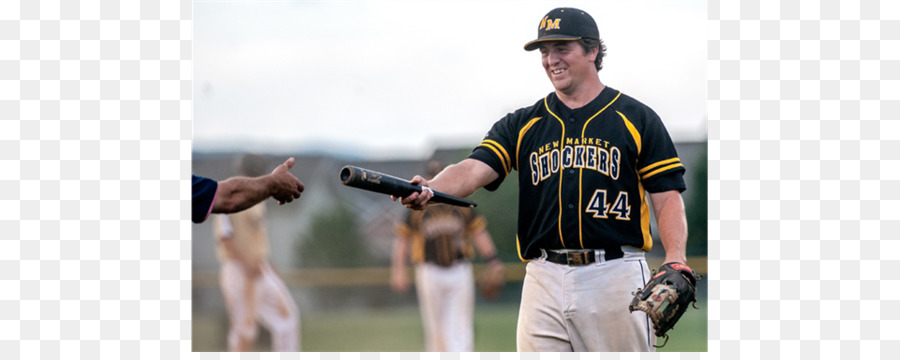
[441,234]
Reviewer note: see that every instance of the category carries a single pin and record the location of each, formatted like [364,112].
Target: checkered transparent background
[95,140]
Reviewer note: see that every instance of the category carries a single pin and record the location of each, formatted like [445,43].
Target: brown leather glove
[673,285]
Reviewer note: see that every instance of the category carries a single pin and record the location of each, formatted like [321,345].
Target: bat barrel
[375,181]
[346,174]
[382,183]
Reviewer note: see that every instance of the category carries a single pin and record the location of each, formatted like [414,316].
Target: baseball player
[238,193]
[252,289]
[586,156]
[439,241]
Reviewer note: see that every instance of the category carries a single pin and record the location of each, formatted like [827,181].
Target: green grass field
[399,329]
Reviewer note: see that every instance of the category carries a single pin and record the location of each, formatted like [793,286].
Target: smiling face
[567,65]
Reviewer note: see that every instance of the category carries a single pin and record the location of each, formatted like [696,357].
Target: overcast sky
[385,79]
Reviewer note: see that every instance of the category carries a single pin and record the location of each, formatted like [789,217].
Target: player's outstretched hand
[416,201]
[284,186]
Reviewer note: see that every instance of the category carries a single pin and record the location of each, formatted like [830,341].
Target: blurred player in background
[252,289]
[439,241]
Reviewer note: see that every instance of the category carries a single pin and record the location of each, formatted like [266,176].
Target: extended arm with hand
[239,193]
[668,206]
[492,278]
[485,245]
[674,285]
[461,179]
[399,276]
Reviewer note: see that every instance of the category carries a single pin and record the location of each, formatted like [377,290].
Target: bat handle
[443,198]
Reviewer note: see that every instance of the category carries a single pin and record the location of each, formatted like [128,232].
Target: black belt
[582,257]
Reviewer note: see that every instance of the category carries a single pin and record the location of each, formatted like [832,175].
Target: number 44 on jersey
[600,209]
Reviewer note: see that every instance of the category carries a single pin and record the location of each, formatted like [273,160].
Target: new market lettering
[577,153]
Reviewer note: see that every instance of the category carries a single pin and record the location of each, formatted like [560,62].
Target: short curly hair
[588,43]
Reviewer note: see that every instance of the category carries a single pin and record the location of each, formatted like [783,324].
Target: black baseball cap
[562,24]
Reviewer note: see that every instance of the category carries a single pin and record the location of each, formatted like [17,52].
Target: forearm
[399,278]
[399,254]
[461,179]
[239,193]
[672,224]
[464,178]
[485,245]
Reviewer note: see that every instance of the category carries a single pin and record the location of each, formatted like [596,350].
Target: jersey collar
[602,99]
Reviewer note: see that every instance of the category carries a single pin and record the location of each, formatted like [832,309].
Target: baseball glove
[491,280]
[673,285]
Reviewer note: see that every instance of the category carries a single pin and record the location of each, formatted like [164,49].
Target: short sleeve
[404,229]
[498,149]
[659,166]
[476,225]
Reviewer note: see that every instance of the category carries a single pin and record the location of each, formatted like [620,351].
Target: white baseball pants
[584,308]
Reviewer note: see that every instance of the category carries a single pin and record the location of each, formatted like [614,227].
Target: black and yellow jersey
[583,173]
[441,234]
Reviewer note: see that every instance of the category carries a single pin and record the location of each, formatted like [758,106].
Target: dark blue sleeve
[204,194]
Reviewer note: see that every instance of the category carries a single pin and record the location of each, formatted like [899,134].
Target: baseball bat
[386,184]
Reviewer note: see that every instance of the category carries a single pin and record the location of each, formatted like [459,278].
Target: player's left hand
[666,296]
[416,201]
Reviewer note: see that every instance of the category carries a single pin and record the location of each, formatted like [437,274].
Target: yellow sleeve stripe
[634,133]
[503,150]
[402,230]
[477,225]
[661,170]
[659,163]
[521,135]
[500,152]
